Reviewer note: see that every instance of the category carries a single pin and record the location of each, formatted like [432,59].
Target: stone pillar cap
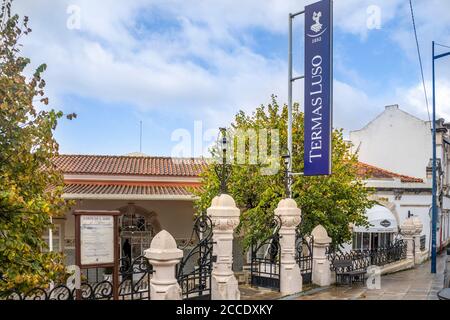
[320,235]
[287,207]
[163,247]
[223,205]
[224,200]
[408,227]
[418,223]
[287,203]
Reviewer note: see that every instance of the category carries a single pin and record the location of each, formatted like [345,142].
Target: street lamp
[224,171]
[434,189]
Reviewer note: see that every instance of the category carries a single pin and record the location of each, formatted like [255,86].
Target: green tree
[334,201]
[30,186]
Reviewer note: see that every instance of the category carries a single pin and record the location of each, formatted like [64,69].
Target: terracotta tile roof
[129,165]
[369,171]
[125,189]
[163,166]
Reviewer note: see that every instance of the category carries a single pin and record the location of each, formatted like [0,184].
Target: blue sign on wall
[318,87]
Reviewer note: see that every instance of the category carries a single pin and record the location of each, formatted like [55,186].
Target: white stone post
[416,237]
[321,273]
[408,230]
[290,276]
[419,228]
[164,255]
[225,218]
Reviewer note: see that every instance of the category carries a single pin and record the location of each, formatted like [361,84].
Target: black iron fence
[193,275]
[362,259]
[265,262]
[423,240]
[194,270]
[97,284]
[135,279]
[304,256]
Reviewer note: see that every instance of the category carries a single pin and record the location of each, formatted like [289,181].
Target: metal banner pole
[290,104]
[434,181]
[433,218]
[290,81]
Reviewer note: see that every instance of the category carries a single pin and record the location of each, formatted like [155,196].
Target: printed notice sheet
[96,239]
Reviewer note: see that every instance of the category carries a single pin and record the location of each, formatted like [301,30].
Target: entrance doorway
[374,241]
[137,228]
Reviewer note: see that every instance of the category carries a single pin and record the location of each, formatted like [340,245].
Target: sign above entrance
[385,223]
[318,88]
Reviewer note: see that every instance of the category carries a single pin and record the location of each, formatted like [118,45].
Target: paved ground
[256,293]
[414,284]
[251,293]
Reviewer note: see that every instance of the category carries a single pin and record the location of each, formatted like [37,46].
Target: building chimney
[392,106]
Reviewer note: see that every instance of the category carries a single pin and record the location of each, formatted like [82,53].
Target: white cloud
[205,67]
[352,107]
[103,60]
[352,15]
[413,98]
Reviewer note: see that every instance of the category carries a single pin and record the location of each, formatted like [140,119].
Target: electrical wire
[420,60]
[442,45]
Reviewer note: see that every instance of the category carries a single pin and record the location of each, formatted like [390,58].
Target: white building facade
[402,143]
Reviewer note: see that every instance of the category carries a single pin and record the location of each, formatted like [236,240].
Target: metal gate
[304,255]
[194,270]
[265,262]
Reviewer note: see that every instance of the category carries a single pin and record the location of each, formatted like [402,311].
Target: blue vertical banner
[318,88]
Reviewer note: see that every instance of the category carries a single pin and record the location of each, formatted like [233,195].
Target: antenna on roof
[140,137]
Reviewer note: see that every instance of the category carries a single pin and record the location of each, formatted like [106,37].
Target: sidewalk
[414,284]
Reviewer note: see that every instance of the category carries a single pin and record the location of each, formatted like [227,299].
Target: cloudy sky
[173,63]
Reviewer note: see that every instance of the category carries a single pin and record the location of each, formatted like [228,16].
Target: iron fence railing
[265,261]
[304,256]
[423,240]
[194,270]
[362,259]
[134,284]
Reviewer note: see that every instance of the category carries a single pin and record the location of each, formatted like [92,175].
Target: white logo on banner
[317,26]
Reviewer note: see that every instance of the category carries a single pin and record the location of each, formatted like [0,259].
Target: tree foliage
[30,186]
[333,201]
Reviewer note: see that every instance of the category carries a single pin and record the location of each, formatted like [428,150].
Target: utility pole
[434,180]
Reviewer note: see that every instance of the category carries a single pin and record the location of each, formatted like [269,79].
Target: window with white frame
[57,237]
[371,240]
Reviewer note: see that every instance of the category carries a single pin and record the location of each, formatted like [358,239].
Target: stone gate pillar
[225,218]
[417,252]
[164,255]
[321,273]
[408,230]
[290,276]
